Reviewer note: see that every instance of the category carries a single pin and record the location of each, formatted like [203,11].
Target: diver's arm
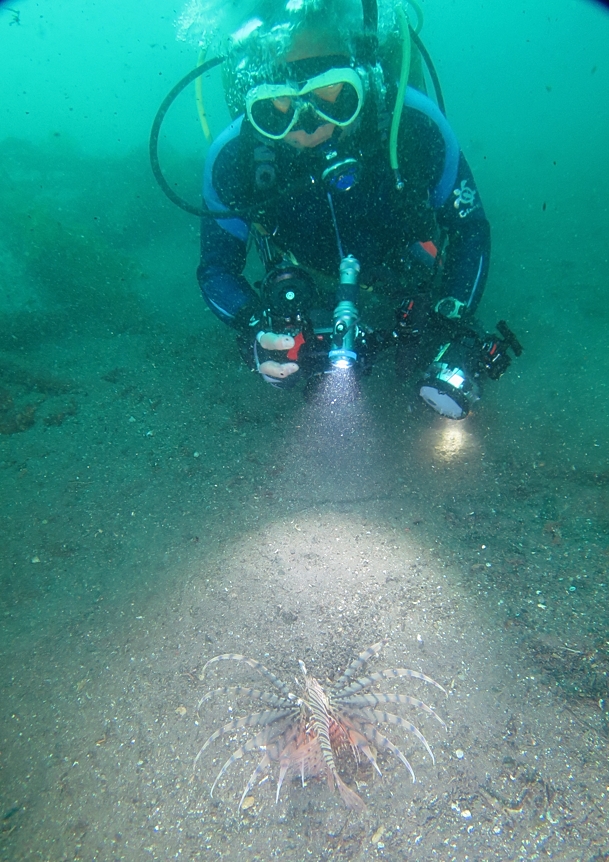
[452,192]
[224,288]
[224,241]
[469,242]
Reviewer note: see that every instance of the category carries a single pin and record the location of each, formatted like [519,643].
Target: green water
[159,505]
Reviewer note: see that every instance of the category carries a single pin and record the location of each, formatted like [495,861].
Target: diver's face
[313,130]
[301,140]
[319,111]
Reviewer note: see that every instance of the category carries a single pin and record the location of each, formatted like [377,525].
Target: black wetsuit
[431,236]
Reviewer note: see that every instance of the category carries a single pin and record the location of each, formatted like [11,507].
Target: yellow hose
[200,104]
[399,101]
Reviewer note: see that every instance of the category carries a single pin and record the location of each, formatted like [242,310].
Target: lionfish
[306,734]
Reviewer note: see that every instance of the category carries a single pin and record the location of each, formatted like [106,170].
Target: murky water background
[159,505]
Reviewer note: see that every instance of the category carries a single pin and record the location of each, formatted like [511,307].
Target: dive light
[346,316]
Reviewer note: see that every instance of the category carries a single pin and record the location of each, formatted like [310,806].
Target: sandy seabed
[160,506]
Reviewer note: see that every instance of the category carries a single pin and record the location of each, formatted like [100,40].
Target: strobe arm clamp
[495,356]
[343,352]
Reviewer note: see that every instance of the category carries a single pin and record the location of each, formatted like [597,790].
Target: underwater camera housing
[288,294]
[293,305]
[451,384]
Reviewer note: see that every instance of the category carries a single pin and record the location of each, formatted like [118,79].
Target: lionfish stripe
[321,720]
[302,733]
[262,767]
[359,743]
[374,699]
[256,665]
[267,716]
[390,718]
[361,660]
[384,744]
[254,694]
[390,673]
[322,730]
[256,718]
[255,742]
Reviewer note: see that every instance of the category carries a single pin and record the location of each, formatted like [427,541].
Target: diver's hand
[276,369]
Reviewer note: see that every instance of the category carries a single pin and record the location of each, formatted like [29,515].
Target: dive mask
[336,96]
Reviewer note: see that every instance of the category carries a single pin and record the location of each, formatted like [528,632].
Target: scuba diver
[340,168]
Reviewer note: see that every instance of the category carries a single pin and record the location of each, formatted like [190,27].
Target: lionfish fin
[282,774]
[262,766]
[351,799]
[360,661]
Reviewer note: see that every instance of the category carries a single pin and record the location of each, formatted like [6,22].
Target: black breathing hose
[370,21]
[153,144]
[431,69]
